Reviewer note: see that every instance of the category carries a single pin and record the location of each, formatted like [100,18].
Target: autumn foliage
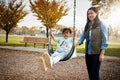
[49,12]
[10,14]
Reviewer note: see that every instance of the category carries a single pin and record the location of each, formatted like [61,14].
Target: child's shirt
[65,45]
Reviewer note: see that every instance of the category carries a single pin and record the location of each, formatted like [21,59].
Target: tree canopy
[10,14]
[49,12]
[105,6]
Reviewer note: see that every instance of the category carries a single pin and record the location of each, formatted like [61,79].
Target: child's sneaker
[47,60]
[42,64]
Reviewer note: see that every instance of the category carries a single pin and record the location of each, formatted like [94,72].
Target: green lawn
[113,49]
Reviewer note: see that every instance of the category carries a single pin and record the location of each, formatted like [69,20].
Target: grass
[113,49]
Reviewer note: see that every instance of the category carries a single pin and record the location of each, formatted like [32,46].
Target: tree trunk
[47,34]
[7,36]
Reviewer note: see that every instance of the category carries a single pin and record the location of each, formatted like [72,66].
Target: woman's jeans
[93,66]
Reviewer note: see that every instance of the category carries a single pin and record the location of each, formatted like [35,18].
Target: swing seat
[69,54]
[50,51]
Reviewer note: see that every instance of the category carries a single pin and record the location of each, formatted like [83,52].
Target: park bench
[36,40]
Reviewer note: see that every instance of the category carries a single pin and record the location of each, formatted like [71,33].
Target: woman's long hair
[96,21]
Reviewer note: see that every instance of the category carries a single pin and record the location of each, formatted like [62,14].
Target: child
[63,48]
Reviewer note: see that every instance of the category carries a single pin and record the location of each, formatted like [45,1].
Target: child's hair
[66,30]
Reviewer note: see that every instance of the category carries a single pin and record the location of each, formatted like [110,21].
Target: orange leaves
[49,11]
[95,2]
[10,14]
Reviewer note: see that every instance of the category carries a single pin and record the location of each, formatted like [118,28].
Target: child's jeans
[57,56]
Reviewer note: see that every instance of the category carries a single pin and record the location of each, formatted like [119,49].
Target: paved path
[25,48]
[115,43]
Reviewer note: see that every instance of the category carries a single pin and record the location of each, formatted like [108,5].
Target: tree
[24,30]
[49,12]
[33,30]
[94,2]
[105,6]
[10,14]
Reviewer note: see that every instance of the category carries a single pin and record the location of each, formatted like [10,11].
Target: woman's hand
[101,57]
[76,44]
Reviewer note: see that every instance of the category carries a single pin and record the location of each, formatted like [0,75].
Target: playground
[27,29]
[18,63]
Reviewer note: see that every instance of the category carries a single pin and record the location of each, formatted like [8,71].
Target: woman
[95,34]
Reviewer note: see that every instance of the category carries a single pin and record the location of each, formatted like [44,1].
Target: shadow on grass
[113,52]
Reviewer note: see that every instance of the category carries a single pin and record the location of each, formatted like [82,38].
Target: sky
[81,9]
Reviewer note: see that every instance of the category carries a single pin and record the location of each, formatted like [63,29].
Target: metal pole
[74,20]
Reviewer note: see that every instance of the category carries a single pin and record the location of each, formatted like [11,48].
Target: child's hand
[51,32]
[74,31]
